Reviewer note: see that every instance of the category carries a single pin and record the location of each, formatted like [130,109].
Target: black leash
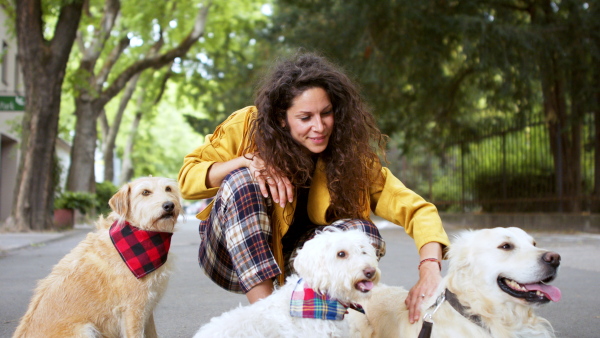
[453,300]
[428,318]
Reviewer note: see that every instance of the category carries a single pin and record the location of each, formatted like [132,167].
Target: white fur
[322,268]
[476,259]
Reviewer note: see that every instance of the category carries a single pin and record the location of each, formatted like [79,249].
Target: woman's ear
[283,123]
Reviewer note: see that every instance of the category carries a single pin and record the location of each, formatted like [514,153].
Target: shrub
[81,201]
[104,191]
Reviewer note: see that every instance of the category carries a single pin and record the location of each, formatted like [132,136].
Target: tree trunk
[108,146]
[81,172]
[127,167]
[563,126]
[595,207]
[82,165]
[44,64]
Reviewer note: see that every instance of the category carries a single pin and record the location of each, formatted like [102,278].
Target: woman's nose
[318,124]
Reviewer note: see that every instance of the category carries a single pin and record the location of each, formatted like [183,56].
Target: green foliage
[104,191]
[8,7]
[231,55]
[214,79]
[435,69]
[81,201]
[530,189]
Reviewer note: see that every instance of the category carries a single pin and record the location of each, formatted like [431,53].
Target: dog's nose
[168,206]
[369,272]
[551,258]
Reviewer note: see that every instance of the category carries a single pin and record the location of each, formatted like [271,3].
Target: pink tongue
[364,286]
[552,292]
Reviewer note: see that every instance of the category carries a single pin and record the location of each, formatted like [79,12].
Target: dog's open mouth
[364,286]
[539,292]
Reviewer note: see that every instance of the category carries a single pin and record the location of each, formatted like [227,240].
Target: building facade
[12,106]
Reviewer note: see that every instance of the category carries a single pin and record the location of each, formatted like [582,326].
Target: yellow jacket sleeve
[396,203]
[227,142]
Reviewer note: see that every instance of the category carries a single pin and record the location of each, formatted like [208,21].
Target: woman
[302,158]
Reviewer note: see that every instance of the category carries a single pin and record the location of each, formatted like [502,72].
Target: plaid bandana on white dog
[307,303]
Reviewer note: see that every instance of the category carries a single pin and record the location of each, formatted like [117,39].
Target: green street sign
[12,103]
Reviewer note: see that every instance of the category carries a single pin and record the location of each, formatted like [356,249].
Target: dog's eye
[168,189]
[342,254]
[146,192]
[534,244]
[506,246]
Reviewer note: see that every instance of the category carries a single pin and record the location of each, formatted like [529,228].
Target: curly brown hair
[351,156]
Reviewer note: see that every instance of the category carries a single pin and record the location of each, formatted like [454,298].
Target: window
[4,62]
[17,76]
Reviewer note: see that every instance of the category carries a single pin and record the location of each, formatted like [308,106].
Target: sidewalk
[10,241]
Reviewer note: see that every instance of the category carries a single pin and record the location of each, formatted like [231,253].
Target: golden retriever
[495,279]
[92,291]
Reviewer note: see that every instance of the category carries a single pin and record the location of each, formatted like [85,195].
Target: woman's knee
[239,186]
[239,177]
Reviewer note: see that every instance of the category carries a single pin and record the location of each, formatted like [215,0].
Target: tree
[435,70]
[110,131]
[233,56]
[144,106]
[96,85]
[43,60]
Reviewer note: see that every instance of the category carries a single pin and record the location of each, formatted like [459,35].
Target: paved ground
[192,299]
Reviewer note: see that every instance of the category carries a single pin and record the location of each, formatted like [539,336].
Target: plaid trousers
[234,249]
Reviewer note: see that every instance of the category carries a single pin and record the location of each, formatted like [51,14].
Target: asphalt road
[192,299]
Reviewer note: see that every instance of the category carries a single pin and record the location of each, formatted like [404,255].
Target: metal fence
[505,169]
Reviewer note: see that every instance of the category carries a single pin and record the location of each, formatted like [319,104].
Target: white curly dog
[335,271]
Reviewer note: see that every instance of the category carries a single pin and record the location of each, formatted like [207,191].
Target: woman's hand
[429,279]
[280,186]
[430,276]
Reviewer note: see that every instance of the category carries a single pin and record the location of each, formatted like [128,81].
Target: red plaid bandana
[143,251]
[307,303]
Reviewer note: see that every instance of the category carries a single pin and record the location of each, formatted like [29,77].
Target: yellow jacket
[390,200]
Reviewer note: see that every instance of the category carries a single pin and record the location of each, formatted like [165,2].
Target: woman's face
[310,119]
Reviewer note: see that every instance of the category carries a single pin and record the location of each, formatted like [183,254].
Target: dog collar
[456,305]
[307,303]
[142,251]
[453,300]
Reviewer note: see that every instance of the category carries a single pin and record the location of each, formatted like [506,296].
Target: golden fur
[477,259]
[91,292]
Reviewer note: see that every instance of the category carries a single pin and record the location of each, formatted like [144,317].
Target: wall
[11,114]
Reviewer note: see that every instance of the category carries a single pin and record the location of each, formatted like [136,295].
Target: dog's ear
[119,203]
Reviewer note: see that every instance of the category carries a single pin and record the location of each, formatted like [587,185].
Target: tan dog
[498,276]
[92,292]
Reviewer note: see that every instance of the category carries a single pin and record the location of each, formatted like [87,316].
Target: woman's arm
[218,171]
[280,187]
[430,276]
